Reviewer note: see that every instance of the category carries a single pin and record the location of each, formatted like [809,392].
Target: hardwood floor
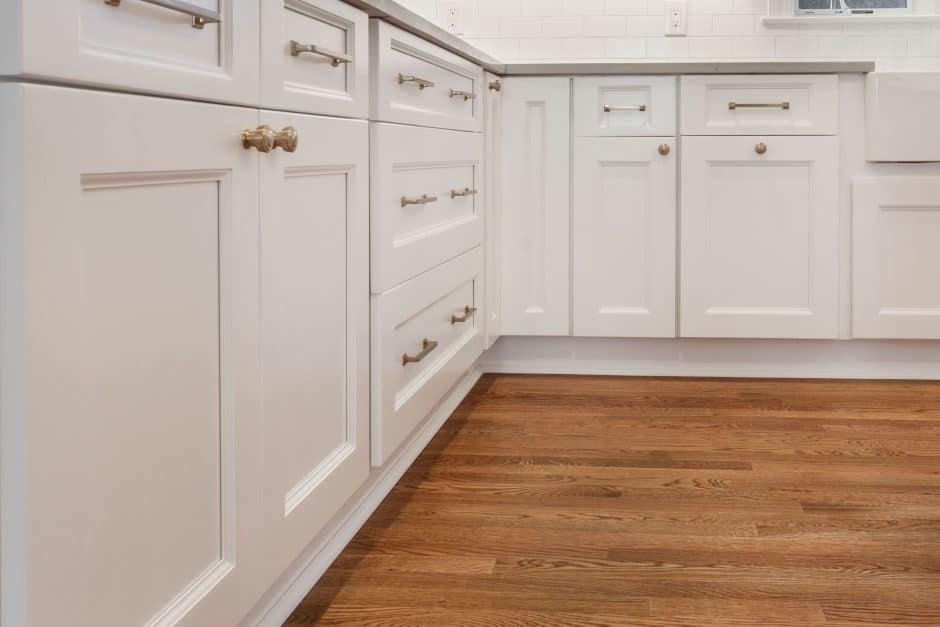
[600,501]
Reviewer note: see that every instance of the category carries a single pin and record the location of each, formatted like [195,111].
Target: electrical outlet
[676,18]
[452,16]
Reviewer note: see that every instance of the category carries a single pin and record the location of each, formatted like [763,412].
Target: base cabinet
[624,237]
[759,241]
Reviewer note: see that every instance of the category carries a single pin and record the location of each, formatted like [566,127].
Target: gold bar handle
[496,85]
[758,105]
[426,347]
[423,199]
[261,138]
[466,95]
[460,193]
[420,82]
[467,312]
[200,16]
[335,57]
[609,108]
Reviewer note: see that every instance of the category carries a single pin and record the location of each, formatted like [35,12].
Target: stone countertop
[396,14]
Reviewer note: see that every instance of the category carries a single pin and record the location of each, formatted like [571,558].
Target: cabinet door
[896,258]
[759,237]
[624,239]
[492,171]
[314,327]
[298,72]
[535,206]
[138,439]
[139,45]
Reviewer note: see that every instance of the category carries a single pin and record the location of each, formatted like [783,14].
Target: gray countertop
[394,13]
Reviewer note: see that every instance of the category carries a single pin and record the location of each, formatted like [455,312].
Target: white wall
[542,30]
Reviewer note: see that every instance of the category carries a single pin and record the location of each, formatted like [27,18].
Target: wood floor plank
[549,500]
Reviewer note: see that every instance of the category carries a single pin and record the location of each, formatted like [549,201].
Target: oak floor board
[551,500]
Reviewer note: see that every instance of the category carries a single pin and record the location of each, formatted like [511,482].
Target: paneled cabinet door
[315,57]
[759,237]
[624,240]
[535,206]
[136,437]
[896,258]
[314,327]
[492,171]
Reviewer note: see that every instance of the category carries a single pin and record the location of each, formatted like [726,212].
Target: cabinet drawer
[426,199]
[416,82]
[315,57]
[140,46]
[802,104]
[424,338]
[613,106]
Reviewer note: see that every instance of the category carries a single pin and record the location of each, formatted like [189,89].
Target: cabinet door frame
[594,280]
[492,171]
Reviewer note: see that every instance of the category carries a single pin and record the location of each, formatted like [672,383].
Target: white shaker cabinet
[624,237]
[130,454]
[759,240]
[535,206]
[492,173]
[314,279]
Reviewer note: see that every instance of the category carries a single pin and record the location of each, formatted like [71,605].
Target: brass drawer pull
[286,139]
[664,149]
[200,16]
[760,148]
[460,193]
[423,199]
[335,57]
[496,85]
[420,82]
[426,347]
[609,108]
[468,311]
[466,95]
[758,105]
[263,139]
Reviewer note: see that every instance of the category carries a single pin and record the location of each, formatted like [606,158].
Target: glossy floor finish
[600,500]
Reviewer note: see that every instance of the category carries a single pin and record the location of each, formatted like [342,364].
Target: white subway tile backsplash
[540,48]
[624,48]
[700,24]
[584,7]
[584,48]
[542,7]
[886,46]
[498,7]
[752,47]
[710,47]
[475,27]
[605,26]
[842,47]
[797,47]
[562,26]
[520,26]
[709,7]
[734,25]
[750,7]
[667,47]
[625,7]
[645,25]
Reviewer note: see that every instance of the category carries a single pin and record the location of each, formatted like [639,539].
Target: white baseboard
[813,359]
[291,588]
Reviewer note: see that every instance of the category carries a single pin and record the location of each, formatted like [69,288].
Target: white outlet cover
[676,18]
[451,16]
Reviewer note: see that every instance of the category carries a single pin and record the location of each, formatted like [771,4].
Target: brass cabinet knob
[286,139]
[760,148]
[261,139]
[496,85]
[664,149]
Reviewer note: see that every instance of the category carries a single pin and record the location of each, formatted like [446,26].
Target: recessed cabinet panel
[616,106]
[315,57]
[314,327]
[535,206]
[492,167]
[624,219]
[759,237]
[895,258]
[139,283]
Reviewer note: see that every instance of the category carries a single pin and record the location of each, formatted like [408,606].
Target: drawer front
[802,104]
[424,338]
[416,82]
[140,46]
[315,57]
[624,106]
[426,200]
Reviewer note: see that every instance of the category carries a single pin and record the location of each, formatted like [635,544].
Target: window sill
[832,20]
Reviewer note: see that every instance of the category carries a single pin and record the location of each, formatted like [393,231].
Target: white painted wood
[655,94]
[402,319]
[409,162]
[760,237]
[138,46]
[895,258]
[492,171]
[624,237]
[309,82]
[395,52]
[897,105]
[535,183]
[314,328]
[813,104]
[138,282]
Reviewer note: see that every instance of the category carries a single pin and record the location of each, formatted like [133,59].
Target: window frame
[836,10]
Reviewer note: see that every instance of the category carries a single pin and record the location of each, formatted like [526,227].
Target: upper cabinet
[417,82]
[778,104]
[611,106]
[315,57]
[535,206]
[203,49]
